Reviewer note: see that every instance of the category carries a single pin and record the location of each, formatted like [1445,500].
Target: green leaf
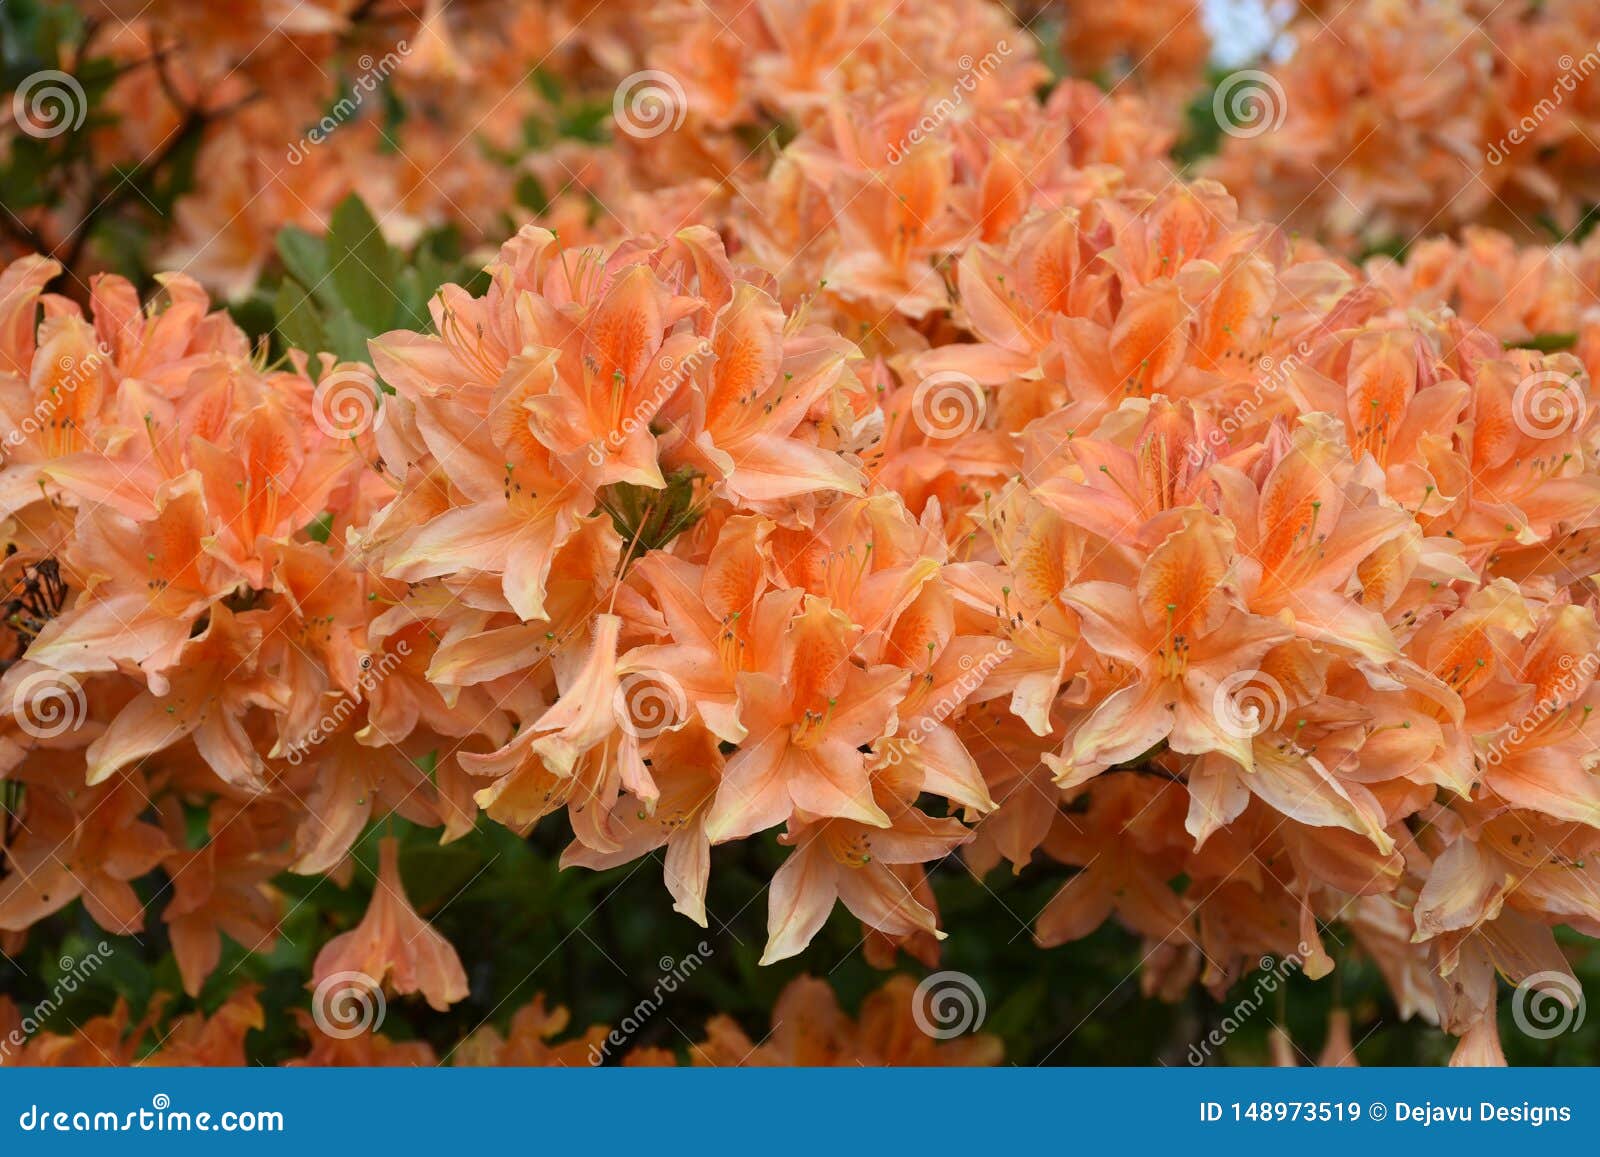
[303,255]
[362,266]
[413,294]
[548,84]
[347,337]
[320,527]
[530,193]
[254,315]
[648,519]
[299,321]
[22,183]
[1545,343]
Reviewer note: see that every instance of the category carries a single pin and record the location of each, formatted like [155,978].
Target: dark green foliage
[340,290]
[599,942]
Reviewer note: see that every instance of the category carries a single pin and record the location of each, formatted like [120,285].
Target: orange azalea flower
[213,1041]
[21,284]
[145,584]
[366,1049]
[222,887]
[89,845]
[686,766]
[1474,935]
[515,535]
[393,946]
[756,392]
[1541,760]
[310,635]
[1305,530]
[953,668]
[722,619]
[1161,46]
[599,414]
[345,784]
[509,509]
[100,1041]
[52,408]
[1021,597]
[1128,811]
[808,713]
[267,483]
[1169,642]
[215,683]
[579,754]
[1116,491]
[528,1043]
[850,861]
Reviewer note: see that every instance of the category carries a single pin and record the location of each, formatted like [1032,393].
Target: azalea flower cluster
[1544,296]
[452,115]
[1406,118]
[1284,543]
[956,487]
[1160,49]
[633,556]
[633,517]
[1389,120]
[172,593]
[424,110]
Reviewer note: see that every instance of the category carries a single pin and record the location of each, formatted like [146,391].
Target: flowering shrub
[1402,119]
[951,479]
